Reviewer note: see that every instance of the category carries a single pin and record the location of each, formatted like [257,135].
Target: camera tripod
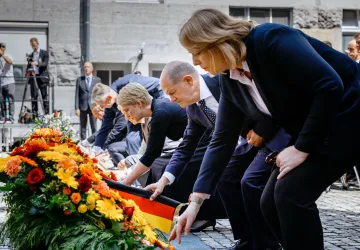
[31,74]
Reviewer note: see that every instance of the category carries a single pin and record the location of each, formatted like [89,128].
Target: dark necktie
[207,111]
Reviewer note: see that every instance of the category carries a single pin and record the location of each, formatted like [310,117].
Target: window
[155,69]
[263,15]
[350,26]
[110,72]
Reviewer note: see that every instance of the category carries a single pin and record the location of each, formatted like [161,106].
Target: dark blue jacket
[310,89]
[114,126]
[200,129]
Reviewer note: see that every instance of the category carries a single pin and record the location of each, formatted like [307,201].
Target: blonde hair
[100,92]
[132,94]
[213,32]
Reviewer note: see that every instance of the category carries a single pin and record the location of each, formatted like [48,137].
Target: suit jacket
[43,71]
[83,92]
[200,128]
[113,127]
[310,89]
[151,84]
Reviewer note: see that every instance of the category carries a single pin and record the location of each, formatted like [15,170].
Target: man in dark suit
[114,127]
[184,86]
[39,63]
[83,90]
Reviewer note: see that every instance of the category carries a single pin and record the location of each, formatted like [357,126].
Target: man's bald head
[175,71]
[181,82]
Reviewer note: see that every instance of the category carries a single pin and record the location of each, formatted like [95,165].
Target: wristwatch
[196,199]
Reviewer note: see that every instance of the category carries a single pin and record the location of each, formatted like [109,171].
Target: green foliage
[38,232]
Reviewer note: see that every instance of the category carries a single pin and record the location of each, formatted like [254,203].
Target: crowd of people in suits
[257,140]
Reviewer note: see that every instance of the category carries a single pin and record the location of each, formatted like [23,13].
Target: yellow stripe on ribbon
[159,222]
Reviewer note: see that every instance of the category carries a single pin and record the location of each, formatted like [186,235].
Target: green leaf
[58,200]
[34,211]
[6,188]
[116,227]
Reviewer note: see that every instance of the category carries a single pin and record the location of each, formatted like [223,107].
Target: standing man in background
[39,62]
[7,83]
[353,51]
[83,90]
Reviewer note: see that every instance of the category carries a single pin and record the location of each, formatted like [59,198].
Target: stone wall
[119,29]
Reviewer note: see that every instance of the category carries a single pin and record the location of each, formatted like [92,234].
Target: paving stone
[340,215]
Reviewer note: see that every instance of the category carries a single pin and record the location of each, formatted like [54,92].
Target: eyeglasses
[271,158]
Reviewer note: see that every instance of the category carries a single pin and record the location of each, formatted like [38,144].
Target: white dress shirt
[253,91]
[36,56]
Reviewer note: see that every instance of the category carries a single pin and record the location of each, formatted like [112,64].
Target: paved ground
[340,214]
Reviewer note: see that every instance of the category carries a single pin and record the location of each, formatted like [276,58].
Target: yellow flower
[57,156]
[64,149]
[108,208]
[149,234]
[51,156]
[82,208]
[3,162]
[91,207]
[92,197]
[66,177]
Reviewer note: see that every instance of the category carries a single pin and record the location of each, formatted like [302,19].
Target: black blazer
[310,89]
[83,93]
[43,66]
[168,120]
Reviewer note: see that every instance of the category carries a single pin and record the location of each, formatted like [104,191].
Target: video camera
[29,58]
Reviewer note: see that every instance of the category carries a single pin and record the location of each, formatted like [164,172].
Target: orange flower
[13,167]
[67,190]
[68,164]
[89,172]
[28,161]
[31,148]
[67,212]
[104,189]
[76,198]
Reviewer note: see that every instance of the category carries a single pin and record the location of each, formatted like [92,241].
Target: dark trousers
[252,186]
[83,123]
[8,91]
[118,151]
[230,192]
[289,205]
[42,85]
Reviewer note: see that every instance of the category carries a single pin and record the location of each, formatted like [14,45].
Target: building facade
[120,28]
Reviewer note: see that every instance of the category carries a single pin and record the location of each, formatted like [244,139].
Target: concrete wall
[119,29]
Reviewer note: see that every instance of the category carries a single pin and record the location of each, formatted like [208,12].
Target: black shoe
[241,245]
[201,225]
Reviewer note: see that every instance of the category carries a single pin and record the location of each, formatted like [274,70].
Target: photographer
[38,61]
[7,83]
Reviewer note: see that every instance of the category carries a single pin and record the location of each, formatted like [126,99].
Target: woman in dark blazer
[309,89]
